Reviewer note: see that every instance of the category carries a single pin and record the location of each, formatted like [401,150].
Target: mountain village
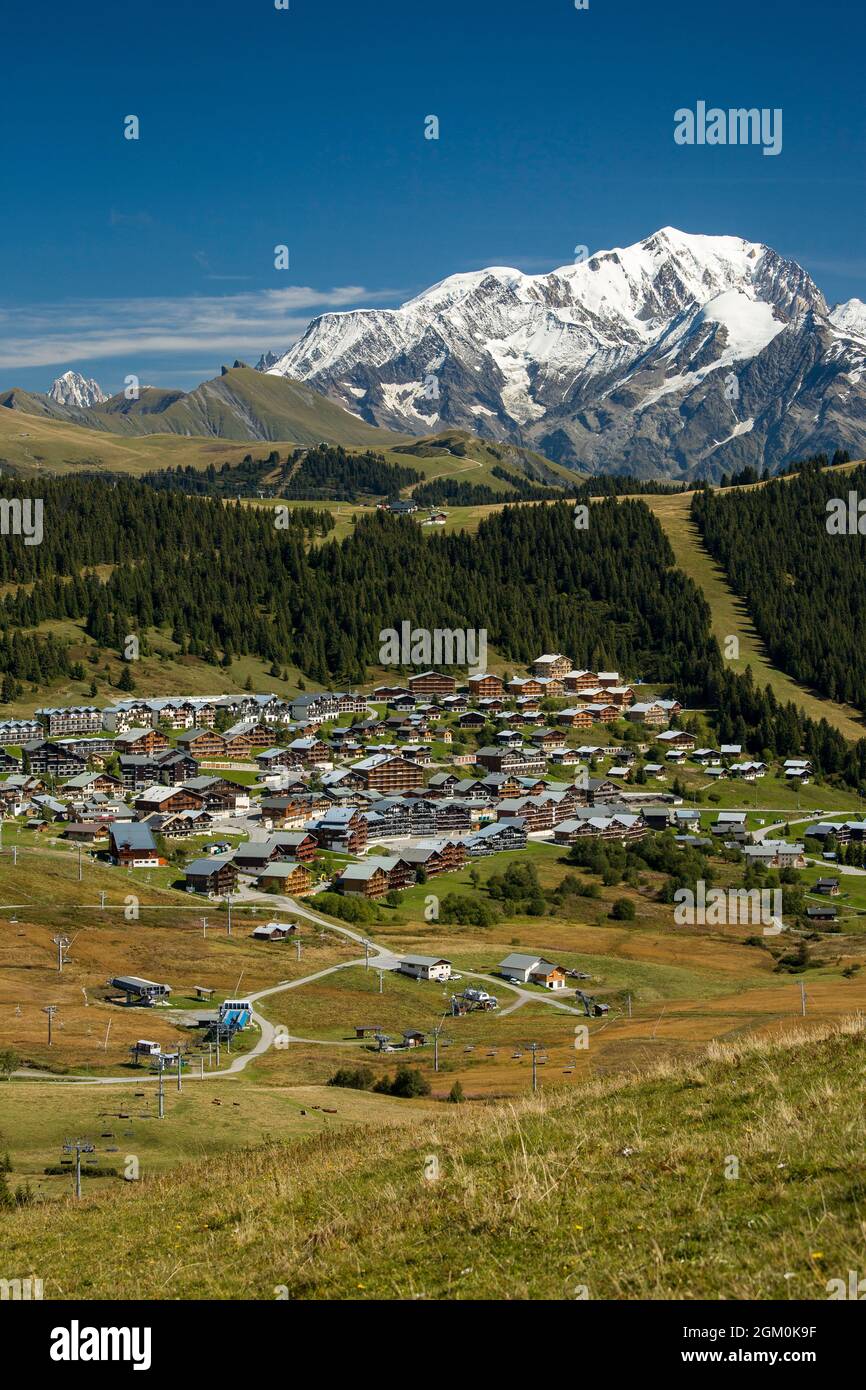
[341,774]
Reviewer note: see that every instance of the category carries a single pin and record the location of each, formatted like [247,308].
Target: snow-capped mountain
[683,355]
[73,389]
[267,360]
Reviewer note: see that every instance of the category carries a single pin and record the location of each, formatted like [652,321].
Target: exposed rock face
[73,389]
[681,356]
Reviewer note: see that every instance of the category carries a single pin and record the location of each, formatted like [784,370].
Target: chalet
[535,811]
[517,967]
[620,695]
[509,738]
[600,790]
[776,854]
[167,800]
[797,767]
[294,809]
[602,712]
[138,772]
[18,731]
[342,829]
[288,875]
[143,742]
[545,738]
[578,717]
[181,825]
[74,719]
[528,705]
[127,714]
[219,794]
[237,740]
[432,683]
[485,686]
[84,832]
[368,878]
[216,875]
[821,912]
[578,681]
[132,845]
[106,809]
[827,886]
[174,766]
[202,743]
[174,714]
[384,772]
[616,826]
[309,751]
[253,855]
[425,967]
[396,817]
[273,758]
[417,753]
[747,771]
[554,666]
[516,760]
[328,704]
[436,856]
[274,931]
[376,875]
[450,814]
[524,685]
[652,714]
[497,837]
[442,783]
[550,976]
[86,783]
[676,738]
[472,719]
[48,757]
[299,845]
[607,679]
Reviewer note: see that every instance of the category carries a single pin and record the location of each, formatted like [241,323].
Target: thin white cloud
[78,331]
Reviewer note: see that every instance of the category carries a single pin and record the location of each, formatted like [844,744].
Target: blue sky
[305,127]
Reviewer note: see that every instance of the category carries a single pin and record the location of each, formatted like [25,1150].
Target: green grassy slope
[240,404]
[732,619]
[620,1192]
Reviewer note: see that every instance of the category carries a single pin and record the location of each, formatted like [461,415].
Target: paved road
[379,957]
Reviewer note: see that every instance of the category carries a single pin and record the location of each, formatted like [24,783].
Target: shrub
[408,1082]
[622,910]
[353,1078]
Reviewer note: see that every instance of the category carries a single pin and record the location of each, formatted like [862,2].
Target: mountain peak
[73,389]
[615,362]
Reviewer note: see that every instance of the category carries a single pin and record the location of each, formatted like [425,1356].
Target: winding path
[379,957]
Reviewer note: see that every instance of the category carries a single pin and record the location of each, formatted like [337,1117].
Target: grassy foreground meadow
[739,1175]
